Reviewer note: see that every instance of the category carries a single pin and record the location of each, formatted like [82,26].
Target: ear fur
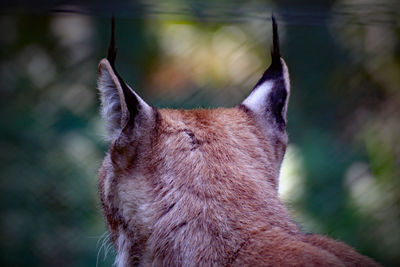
[269,98]
[120,105]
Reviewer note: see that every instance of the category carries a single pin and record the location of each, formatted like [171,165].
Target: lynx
[199,187]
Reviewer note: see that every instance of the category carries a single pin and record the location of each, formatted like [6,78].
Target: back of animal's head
[163,159]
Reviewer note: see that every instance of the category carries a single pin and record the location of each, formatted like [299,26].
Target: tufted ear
[269,98]
[120,105]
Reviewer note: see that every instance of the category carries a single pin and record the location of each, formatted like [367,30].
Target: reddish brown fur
[199,188]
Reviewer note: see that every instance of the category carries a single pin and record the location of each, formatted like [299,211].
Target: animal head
[182,174]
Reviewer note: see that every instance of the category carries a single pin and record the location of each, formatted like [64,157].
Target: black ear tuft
[275,69]
[130,98]
[112,49]
[275,41]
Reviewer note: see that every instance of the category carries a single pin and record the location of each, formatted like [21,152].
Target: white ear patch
[269,98]
[256,100]
[111,102]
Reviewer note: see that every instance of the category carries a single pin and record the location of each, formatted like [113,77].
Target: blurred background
[341,174]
